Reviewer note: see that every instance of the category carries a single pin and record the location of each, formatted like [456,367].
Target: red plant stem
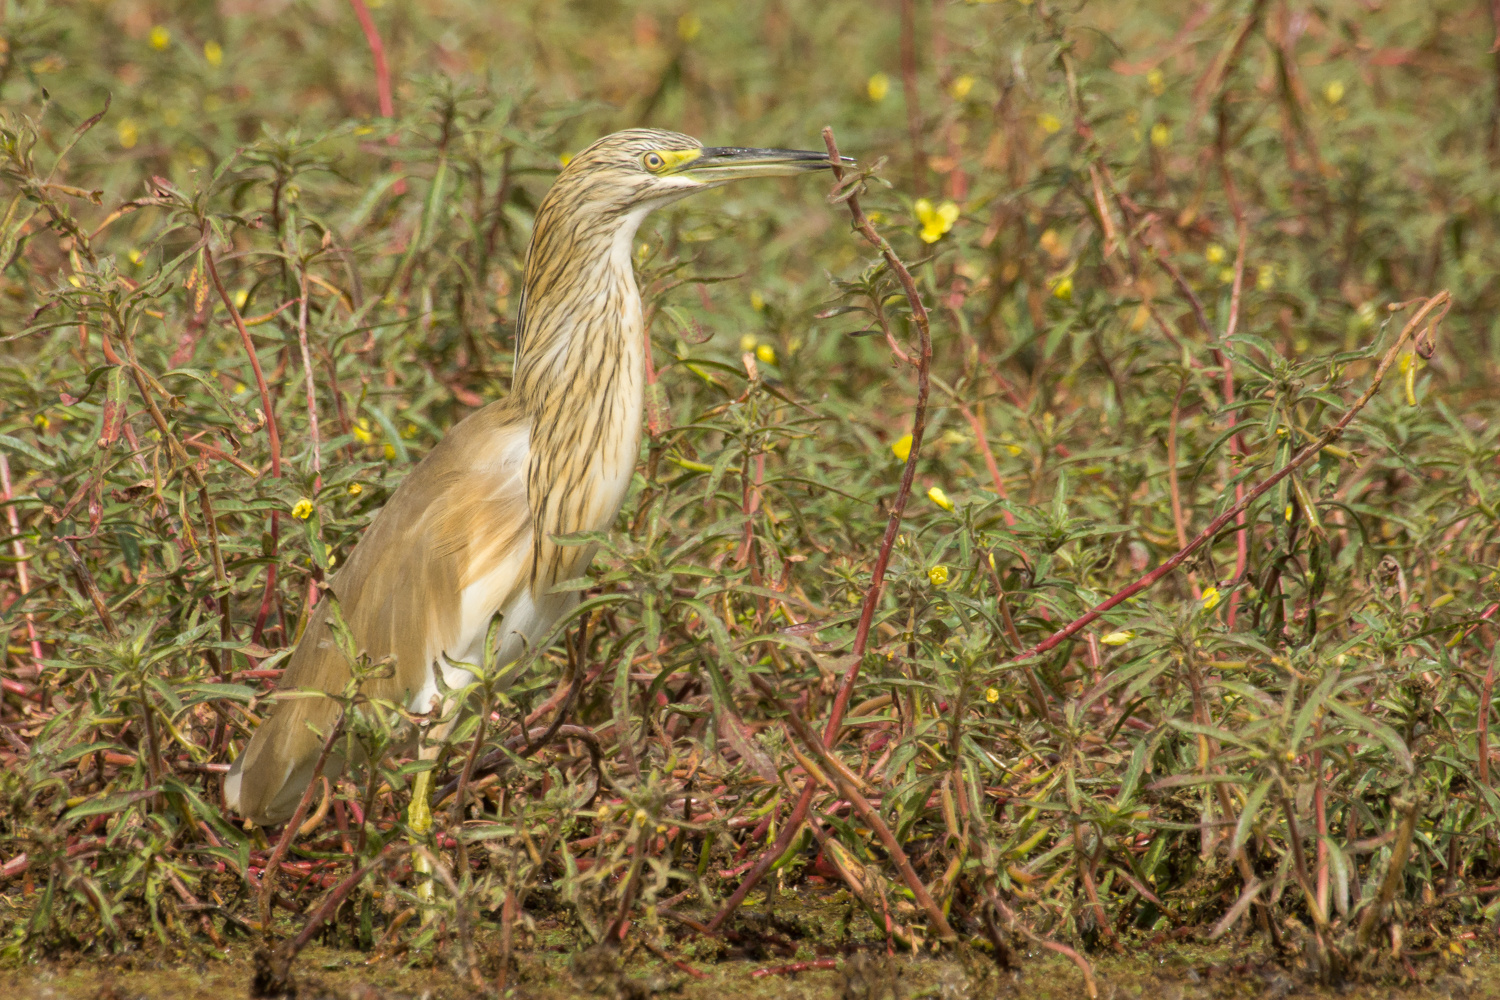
[268,874]
[794,967]
[272,433]
[312,398]
[892,528]
[1298,460]
[382,72]
[1236,445]
[1484,716]
[1320,815]
[23,578]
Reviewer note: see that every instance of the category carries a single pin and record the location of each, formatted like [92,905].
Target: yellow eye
[653,161]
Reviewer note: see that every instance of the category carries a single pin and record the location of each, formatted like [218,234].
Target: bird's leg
[419,812]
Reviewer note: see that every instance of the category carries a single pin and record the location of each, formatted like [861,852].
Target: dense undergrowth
[1162,251]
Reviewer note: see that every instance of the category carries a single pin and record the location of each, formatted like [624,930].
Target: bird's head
[647,168]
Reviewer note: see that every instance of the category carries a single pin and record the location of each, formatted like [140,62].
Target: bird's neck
[580,377]
[581,317]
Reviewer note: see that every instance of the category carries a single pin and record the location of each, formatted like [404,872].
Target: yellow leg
[419,822]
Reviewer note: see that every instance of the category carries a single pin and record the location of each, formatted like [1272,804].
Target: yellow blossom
[1063,290]
[748,342]
[136,257]
[1119,638]
[938,575]
[40,422]
[901,447]
[1211,598]
[1214,253]
[160,38]
[128,133]
[1334,92]
[240,388]
[757,301]
[241,297]
[1156,81]
[355,489]
[960,87]
[213,52]
[688,26]
[409,431]
[362,432]
[1226,275]
[766,353]
[935,221]
[390,452]
[991,695]
[565,159]
[937,496]
[878,86]
[1265,278]
[302,509]
[1161,135]
[1050,123]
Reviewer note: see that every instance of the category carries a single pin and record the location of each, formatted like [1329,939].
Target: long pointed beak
[718,164]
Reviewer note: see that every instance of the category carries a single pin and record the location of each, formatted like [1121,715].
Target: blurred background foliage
[1160,244]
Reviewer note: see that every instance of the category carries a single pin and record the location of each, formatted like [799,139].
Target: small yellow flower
[1265,278]
[390,452]
[1214,253]
[128,133]
[409,431]
[757,301]
[1211,598]
[241,297]
[1334,92]
[136,257]
[159,38]
[1063,290]
[1161,135]
[333,560]
[766,353]
[960,87]
[40,422]
[355,489]
[935,221]
[240,388]
[1226,276]
[1014,450]
[302,509]
[748,342]
[1119,638]
[901,447]
[362,432]
[364,130]
[1050,123]
[878,86]
[937,496]
[213,52]
[991,695]
[641,817]
[938,576]
[1156,81]
[565,159]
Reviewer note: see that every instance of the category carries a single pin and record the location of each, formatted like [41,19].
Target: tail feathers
[267,781]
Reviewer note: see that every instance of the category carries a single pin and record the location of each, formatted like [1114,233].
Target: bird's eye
[653,161]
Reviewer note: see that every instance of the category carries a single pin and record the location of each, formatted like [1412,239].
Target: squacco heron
[470,534]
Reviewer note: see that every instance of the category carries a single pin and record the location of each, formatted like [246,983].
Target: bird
[471,532]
